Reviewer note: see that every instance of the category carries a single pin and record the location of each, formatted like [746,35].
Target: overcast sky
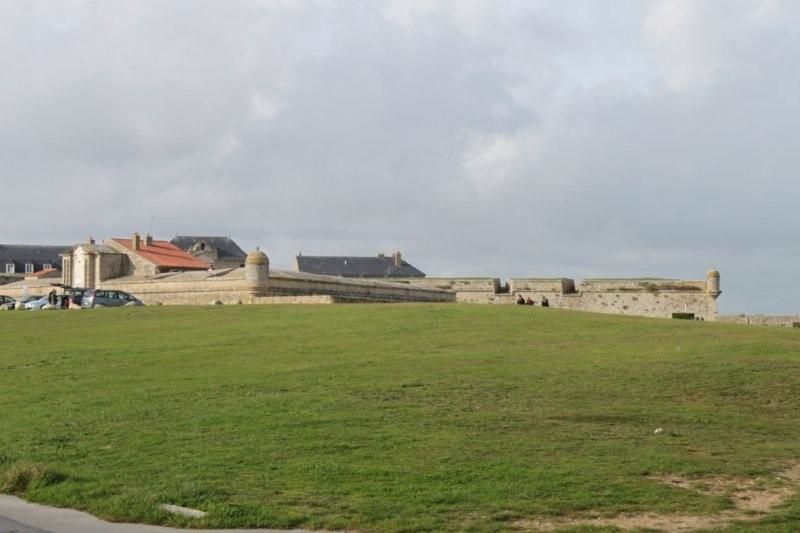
[577,139]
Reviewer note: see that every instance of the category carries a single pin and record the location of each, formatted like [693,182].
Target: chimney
[148,240]
[91,239]
[136,241]
[398,259]
[380,255]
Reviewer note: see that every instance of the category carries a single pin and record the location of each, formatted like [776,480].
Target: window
[47,266]
[29,268]
[10,268]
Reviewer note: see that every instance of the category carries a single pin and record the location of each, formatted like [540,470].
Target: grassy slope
[391,416]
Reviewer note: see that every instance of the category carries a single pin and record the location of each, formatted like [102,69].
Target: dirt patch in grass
[20,476]
[753,499]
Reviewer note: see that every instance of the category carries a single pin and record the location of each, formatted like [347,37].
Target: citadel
[203,270]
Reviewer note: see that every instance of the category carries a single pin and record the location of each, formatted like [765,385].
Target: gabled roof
[28,253]
[46,273]
[225,246]
[164,254]
[357,267]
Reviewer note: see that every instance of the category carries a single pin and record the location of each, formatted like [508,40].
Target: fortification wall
[29,287]
[231,287]
[651,298]
[196,291]
[782,321]
[354,289]
[467,290]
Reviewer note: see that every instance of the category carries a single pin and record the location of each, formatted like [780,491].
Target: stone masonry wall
[651,298]
[468,290]
[785,321]
[200,288]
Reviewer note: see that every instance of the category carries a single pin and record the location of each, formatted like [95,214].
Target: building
[379,266]
[158,272]
[20,260]
[219,252]
[88,264]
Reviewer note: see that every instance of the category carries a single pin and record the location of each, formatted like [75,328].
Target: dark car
[75,293]
[101,298]
[7,301]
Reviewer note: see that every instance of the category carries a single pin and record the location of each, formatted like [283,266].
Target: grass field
[391,417]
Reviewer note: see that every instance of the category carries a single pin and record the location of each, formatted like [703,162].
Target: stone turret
[712,282]
[256,272]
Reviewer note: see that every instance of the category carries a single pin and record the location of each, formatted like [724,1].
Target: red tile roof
[164,254]
[42,273]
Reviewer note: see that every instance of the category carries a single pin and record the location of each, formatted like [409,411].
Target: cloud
[543,138]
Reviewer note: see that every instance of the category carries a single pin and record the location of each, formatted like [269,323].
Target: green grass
[388,417]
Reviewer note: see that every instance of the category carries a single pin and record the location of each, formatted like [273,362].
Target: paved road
[19,516]
[12,526]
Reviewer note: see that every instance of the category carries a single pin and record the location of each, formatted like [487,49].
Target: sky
[506,139]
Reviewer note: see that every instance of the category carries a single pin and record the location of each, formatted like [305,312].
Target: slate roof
[164,254]
[357,267]
[226,248]
[21,254]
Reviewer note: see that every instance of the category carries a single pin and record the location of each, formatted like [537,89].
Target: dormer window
[47,266]
[202,246]
[29,268]
[10,268]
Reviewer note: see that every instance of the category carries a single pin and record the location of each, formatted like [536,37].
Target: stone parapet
[782,321]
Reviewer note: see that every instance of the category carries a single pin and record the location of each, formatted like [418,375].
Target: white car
[36,305]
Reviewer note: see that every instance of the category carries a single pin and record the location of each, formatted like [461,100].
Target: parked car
[101,298]
[75,293]
[36,305]
[8,301]
[25,299]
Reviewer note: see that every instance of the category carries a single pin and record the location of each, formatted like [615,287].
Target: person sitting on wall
[528,301]
[545,302]
[520,300]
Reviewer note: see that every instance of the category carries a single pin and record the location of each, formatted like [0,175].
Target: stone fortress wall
[781,321]
[641,297]
[251,284]
[230,286]
[116,268]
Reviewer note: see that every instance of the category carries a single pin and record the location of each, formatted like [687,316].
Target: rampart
[255,283]
[650,297]
[231,287]
[658,298]
[467,290]
[781,321]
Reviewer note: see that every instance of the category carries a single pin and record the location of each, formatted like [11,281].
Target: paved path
[19,516]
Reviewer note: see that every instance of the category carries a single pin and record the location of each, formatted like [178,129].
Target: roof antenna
[152,218]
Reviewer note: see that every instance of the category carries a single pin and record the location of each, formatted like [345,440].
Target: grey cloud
[538,139]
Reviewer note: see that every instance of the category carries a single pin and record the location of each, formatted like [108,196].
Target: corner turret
[256,272]
[712,282]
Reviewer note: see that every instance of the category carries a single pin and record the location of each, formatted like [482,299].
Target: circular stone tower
[256,272]
[712,282]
